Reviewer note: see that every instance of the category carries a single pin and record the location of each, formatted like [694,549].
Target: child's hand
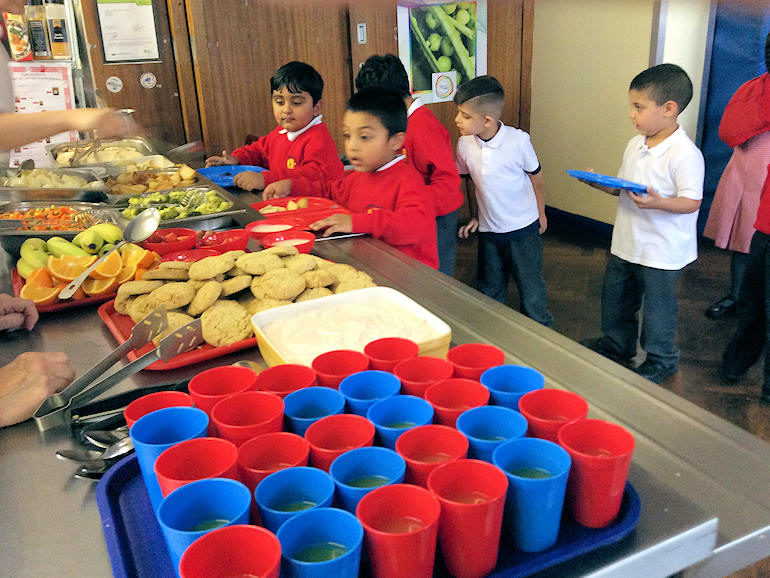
[249,180]
[543,223]
[649,201]
[225,159]
[470,227]
[277,189]
[339,223]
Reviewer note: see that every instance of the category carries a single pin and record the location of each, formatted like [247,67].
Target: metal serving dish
[140,145]
[11,239]
[161,178]
[143,163]
[13,190]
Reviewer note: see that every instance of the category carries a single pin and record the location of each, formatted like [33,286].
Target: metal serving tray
[116,196]
[151,162]
[23,193]
[141,145]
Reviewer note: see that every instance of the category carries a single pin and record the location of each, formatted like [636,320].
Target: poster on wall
[37,88]
[128,30]
[442,44]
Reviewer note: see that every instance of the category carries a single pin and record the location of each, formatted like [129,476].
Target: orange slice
[40,277]
[140,271]
[67,267]
[142,257]
[78,294]
[108,268]
[99,286]
[127,273]
[40,295]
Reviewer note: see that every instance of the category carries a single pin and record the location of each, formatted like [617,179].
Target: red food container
[224,241]
[165,241]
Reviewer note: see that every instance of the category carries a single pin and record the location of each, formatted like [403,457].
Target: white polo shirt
[499,167]
[653,237]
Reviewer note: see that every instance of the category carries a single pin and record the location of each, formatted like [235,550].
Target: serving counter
[703,482]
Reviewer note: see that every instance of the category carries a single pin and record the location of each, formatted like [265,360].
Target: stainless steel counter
[702,481]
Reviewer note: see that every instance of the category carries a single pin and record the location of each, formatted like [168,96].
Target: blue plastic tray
[609,181]
[136,546]
[222,175]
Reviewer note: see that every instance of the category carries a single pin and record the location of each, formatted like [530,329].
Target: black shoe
[655,372]
[729,375]
[722,307]
[597,344]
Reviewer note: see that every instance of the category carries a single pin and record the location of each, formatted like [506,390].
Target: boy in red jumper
[429,149]
[299,146]
[385,193]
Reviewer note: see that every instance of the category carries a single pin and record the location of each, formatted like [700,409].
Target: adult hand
[107,123]
[28,380]
[339,223]
[470,227]
[16,313]
[249,180]
[224,159]
[277,189]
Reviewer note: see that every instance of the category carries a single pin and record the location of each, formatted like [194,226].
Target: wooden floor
[574,268]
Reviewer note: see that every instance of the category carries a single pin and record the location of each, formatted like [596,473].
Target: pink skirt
[736,201]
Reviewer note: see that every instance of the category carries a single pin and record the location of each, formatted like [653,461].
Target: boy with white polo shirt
[654,236]
[508,207]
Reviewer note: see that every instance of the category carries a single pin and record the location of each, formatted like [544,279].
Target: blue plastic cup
[199,507]
[306,406]
[365,388]
[507,383]
[157,431]
[321,543]
[286,493]
[357,472]
[392,416]
[537,472]
[488,426]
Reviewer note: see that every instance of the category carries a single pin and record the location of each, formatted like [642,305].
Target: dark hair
[665,82]
[298,77]
[767,52]
[386,70]
[485,91]
[383,103]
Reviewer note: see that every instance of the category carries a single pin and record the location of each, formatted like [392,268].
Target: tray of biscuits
[225,291]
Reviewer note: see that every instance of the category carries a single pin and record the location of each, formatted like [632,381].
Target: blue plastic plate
[136,546]
[222,175]
[609,181]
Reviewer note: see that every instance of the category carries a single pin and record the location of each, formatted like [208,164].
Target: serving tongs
[57,409]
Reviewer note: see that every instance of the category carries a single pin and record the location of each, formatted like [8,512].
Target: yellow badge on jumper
[403,151]
[291,163]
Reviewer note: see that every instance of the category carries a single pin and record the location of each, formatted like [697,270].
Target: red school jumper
[388,204]
[429,149]
[312,155]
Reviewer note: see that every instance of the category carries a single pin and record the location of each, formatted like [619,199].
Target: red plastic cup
[245,415]
[419,373]
[334,366]
[401,524]
[386,353]
[240,550]
[451,397]
[470,360]
[213,385]
[601,455]
[472,495]
[267,453]
[548,410]
[196,459]
[152,401]
[426,447]
[283,379]
[333,435]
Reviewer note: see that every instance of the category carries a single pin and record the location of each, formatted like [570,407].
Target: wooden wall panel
[238,44]
[188,97]
[157,109]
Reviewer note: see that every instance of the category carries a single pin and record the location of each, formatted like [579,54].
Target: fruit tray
[136,546]
[121,325]
[17,282]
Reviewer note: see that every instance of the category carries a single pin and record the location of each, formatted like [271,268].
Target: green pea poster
[441,45]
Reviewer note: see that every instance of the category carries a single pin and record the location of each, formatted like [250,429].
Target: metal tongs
[57,409]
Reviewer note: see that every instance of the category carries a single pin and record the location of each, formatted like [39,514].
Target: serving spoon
[137,230]
[86,457]
[26,165]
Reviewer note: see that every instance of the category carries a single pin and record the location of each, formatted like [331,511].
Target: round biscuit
[166,275]
[210,267]
[282,284]
[138,287]
[173,295]
[313,293]
[300,263]
[235,284]
[259,263]
[224,323]
[204,298]
[319,278]
[176,319]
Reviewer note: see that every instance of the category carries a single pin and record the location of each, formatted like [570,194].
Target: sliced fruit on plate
[67,267]
[108,268]
[79,294]
[100,286]
[40,277]
[141,257]
[39,295]
[127,273]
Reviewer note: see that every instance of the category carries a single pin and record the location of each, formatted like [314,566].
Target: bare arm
[538,184]
[473,224]
[20,129]
[679,205]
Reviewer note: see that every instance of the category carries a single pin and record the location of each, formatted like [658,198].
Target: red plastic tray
[17,282]
[313,203]
[121,325]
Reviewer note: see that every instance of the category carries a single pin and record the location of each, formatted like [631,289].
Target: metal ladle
[139,229]
[26,165]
